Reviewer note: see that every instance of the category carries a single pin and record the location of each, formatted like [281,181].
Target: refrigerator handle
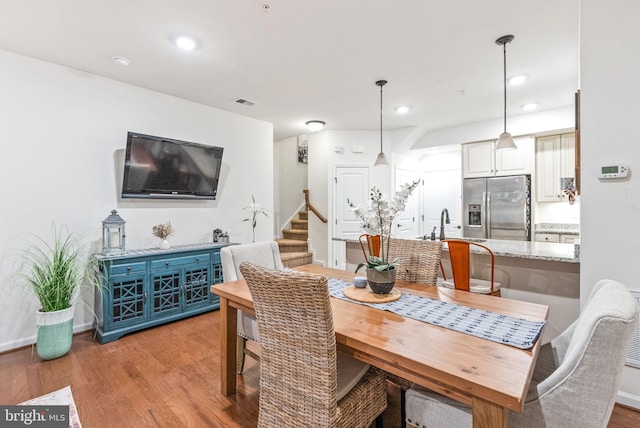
[486,206]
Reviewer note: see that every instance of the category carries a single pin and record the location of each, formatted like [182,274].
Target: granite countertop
[562,228]
[549,251]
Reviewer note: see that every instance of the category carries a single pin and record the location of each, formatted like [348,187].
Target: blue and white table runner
[512,331]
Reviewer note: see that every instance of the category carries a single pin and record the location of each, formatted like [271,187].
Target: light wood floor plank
[167,376]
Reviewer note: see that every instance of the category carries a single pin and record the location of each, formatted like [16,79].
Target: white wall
[63,134]
[290,179]
[609,112]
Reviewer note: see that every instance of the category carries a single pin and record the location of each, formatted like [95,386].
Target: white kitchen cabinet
[555,159]
[547,237]
[562,238]
[569,239]
[482,160]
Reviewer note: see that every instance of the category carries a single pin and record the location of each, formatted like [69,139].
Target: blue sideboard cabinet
[145,288]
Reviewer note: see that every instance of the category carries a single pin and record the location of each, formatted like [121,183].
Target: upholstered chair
[266,254]
[577,374]
[304,381]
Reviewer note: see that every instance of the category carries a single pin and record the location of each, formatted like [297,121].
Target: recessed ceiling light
[529,106]
[517,80]
[185,43]
[120,60]
[403,109]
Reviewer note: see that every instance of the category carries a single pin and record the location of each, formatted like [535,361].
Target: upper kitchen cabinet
[482,160]
[555,159]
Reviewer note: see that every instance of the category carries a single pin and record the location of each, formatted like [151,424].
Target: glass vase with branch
[255,209]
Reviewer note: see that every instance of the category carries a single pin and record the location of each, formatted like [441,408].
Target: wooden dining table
[491,377]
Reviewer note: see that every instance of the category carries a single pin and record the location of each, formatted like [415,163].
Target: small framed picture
[303,149]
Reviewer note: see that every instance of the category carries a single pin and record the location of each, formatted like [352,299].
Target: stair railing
[312,208]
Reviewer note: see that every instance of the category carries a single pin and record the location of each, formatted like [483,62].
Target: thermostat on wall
[613,171]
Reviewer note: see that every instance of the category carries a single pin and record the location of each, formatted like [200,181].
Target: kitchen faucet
[444,213]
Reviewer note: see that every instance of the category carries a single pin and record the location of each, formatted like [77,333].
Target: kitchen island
[537,272]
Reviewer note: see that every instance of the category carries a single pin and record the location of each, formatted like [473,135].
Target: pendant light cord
[504,56]
[381,117]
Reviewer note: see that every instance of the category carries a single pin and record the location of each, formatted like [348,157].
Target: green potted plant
[55,273]
[376,220]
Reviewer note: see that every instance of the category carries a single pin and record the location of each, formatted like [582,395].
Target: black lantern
[113,234]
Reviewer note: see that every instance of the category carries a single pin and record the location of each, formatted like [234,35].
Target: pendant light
[505,141]
[381,159]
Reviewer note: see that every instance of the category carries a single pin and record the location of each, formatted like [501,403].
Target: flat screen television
[157,167]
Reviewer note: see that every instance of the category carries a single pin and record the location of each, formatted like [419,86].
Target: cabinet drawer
[547,237]
[181,261]
[124,268]
[569,239]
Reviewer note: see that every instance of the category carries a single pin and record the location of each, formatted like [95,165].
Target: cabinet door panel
[196,287]
[478,159]
[548,169]
[165,293]
[127,300]
[518,161]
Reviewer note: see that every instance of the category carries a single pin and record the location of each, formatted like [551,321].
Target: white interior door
[406,225]
[350,183]
[442,189]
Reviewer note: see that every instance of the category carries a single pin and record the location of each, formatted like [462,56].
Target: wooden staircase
[293,246]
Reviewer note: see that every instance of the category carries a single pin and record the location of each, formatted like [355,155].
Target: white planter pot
[54,333]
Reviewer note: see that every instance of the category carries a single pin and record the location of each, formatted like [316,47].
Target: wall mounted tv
[156,167]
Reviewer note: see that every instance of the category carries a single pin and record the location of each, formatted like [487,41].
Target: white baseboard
[26,341]
[629,400]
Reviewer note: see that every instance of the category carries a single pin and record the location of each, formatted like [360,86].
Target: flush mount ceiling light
[381,159]
[518,80]
[505,141]
[403,109]
[315,125]
[185,43]
[529,106]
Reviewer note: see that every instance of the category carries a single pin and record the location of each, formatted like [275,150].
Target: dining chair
[460,256]
[372,245]
[576,378]
[419,259]
[304,381]
[266,254]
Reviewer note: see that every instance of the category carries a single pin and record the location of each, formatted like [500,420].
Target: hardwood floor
[167,376]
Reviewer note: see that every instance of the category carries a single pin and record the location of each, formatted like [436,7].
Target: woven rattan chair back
[419,259]
[298,366]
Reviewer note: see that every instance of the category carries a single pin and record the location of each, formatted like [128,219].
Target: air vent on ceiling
[245,102]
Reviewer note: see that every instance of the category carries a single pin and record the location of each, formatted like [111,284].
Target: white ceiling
[316,59]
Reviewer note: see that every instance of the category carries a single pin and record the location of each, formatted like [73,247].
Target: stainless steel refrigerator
[497,207]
